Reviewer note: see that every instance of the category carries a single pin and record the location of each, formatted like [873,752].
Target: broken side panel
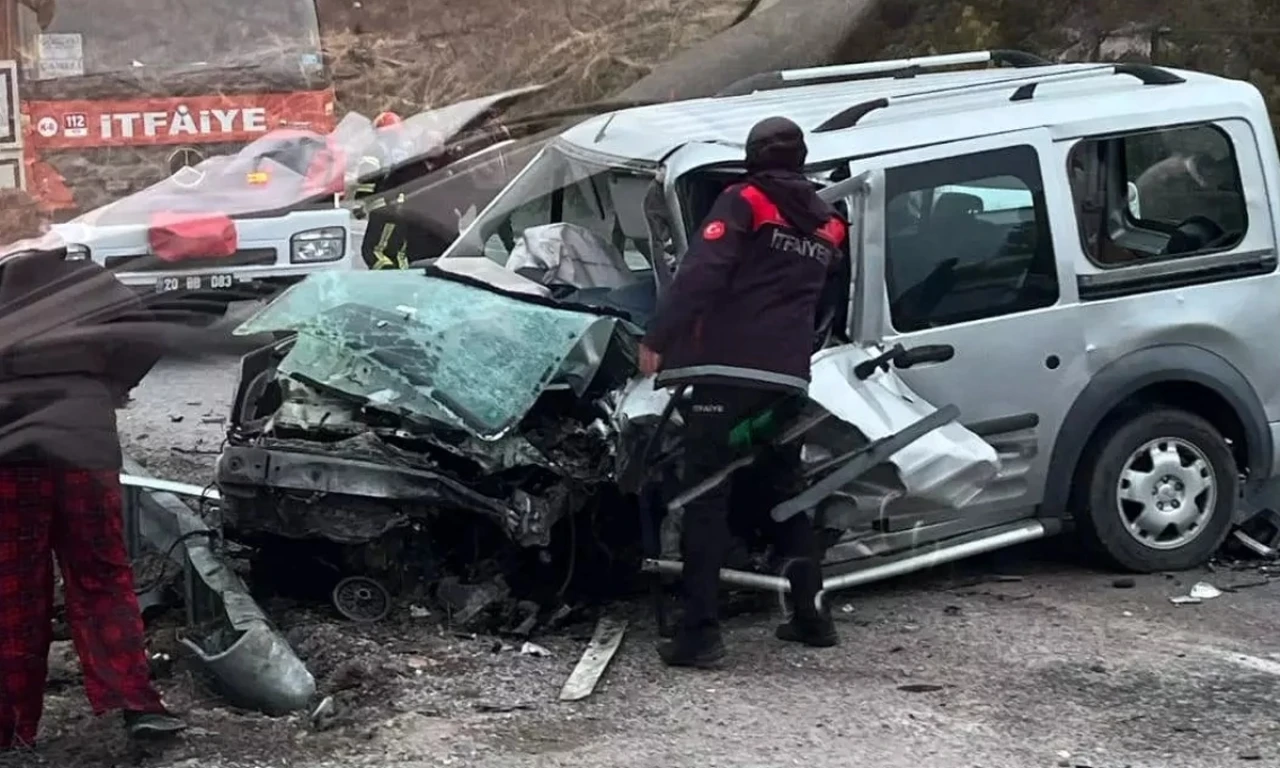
[924,464]
[948,467]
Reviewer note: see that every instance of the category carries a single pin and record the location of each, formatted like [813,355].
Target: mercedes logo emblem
[184,157]
[182,167]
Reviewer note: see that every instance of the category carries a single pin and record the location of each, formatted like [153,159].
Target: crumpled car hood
[432,349]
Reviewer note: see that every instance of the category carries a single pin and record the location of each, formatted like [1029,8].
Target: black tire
[1099,517]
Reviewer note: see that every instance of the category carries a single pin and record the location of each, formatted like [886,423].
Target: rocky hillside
[400,54]
[405,54]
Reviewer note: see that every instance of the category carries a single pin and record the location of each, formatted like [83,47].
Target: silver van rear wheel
[1156,491]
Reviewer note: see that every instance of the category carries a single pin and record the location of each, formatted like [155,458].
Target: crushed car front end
[479,420]
[401,400]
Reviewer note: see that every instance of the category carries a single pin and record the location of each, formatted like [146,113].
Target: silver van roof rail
[1025,90]
[869,70]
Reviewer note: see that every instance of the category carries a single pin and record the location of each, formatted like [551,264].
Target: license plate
[194,283]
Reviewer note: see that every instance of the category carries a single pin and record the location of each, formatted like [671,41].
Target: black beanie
[776,144]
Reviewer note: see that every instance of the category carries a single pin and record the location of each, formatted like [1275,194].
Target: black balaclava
[775,164]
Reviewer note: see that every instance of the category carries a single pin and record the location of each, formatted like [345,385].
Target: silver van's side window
[1157,195]
[967,238]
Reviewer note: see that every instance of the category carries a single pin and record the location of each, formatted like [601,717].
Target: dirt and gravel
[1025,658]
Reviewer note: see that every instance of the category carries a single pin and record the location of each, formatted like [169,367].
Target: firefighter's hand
[650,361]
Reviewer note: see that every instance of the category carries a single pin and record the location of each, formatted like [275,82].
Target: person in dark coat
[73,342]
[738,324]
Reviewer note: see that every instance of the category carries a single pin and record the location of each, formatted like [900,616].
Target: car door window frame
[1019,160]
[1254,253]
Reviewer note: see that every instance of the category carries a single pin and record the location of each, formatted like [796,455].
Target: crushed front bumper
[247,473]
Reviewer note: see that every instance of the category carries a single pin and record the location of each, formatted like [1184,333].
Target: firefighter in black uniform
[738,325]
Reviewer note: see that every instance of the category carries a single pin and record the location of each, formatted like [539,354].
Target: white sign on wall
[59,55]
[10,135]
[10,172]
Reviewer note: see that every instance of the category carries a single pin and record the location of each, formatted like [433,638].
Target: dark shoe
[691,649]
[151,725]
[818,632]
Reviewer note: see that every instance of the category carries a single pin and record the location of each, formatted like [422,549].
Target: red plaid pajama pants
[76,515]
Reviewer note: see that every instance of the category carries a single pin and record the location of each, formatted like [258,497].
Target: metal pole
[1017,534]
[761,581]
[1021,533]
[132,529]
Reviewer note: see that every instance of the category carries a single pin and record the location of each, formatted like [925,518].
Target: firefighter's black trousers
[744,500]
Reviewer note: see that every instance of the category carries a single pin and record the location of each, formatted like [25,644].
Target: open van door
[856,192]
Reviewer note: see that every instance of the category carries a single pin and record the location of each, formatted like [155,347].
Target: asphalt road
[1056,667]
[176,421]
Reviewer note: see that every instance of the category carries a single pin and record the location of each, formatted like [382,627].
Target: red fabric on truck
[181,236]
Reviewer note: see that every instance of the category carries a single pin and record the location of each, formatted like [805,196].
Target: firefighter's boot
[702,648]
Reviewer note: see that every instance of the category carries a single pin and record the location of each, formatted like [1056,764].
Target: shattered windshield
[428,348]
[561,186]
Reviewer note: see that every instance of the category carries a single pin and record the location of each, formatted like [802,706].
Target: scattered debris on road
[1203,590]
[600,651]
[1200,591]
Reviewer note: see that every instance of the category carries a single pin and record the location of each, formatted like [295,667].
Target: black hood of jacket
[776,154]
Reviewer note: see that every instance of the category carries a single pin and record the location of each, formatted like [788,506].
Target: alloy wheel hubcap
[1166,493]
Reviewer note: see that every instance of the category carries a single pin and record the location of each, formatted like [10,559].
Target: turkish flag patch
[713,231]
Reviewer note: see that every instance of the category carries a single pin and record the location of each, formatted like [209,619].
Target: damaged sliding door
[957,257]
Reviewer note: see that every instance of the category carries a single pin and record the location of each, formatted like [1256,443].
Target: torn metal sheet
[600,651]
[245,655]
[255,667]
[1257,547]
[860,462]
[431,349]
[640,402]
[949,466]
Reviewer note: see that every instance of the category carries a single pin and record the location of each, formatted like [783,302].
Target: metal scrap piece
[1256,546]
[604,644]
[246,656]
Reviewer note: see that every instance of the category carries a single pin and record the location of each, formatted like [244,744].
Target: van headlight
[77,253]
[315,245]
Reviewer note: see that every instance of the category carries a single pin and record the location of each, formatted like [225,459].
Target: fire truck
[107,97]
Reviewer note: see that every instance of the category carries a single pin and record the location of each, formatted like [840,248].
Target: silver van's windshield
[603,202]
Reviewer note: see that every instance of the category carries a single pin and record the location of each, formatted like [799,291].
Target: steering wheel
[1196,233]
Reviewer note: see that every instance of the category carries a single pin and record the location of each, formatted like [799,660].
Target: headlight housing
[318,245]
[77,252]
